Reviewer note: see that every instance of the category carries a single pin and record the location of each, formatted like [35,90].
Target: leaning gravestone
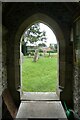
[36,56]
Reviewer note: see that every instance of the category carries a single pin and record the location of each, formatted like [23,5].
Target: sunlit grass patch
[40,76]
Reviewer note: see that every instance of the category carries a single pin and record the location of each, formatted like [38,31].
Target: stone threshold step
[41,110]
[39,96]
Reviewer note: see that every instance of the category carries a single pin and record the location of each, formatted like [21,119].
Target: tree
[34,35]
[55,47]
[51,46]
[42,45]
[24,48]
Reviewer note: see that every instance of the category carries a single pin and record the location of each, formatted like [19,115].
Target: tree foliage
[34,34]
[55,47]
[42,45]
[51,46]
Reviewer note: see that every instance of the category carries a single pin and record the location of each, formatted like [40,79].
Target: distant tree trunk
[36,56]
[44,52]
[49,53]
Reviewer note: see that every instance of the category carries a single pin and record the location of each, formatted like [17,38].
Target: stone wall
[4,59]
[0,62]
[0,73]
[76,90]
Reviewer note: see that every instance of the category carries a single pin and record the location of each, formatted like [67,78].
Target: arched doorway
[39,62]
[39,17]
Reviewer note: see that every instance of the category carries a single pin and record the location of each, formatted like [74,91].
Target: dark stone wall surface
[4,59]
[76,84]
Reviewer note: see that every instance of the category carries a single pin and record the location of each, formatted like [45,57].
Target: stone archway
[39,17]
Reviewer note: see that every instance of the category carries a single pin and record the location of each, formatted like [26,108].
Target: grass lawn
[40,76]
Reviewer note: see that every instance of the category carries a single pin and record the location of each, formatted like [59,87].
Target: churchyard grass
[40,76]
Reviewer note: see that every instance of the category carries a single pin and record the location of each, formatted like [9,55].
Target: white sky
[51,38]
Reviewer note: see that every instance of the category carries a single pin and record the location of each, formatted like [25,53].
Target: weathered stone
[39,96]
[76,85]
[9,103]
[41,109]
[4,59]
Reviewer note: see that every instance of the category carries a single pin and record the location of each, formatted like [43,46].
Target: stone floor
[41,105]
[41,109]
[39,96]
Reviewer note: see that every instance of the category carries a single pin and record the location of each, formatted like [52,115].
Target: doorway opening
[39,63]
[47,20]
